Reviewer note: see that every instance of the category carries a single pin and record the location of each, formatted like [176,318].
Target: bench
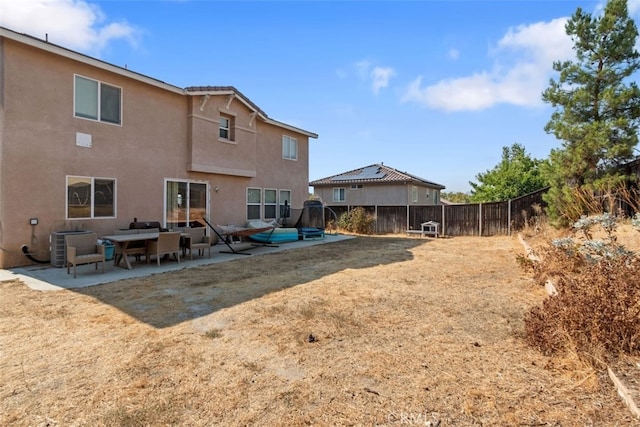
[83,249]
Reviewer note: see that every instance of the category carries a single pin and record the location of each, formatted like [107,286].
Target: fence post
[509,218]
[407,218]
[443,222]
[375,210]
[480,217]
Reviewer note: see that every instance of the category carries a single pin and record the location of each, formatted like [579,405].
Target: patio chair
[168,243]
[83,249]
[198,241]
[135,248]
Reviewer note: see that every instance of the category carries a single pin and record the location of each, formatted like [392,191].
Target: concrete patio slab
[49,278]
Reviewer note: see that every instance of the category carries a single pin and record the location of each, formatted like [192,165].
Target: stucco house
[376,185]
[88,145]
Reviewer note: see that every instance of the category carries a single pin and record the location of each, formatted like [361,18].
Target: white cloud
[75,24]
[522,66]
[453,54]
[376,76]
[381,77]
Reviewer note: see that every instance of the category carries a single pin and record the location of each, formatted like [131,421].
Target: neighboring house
[87,145]
[376,185]
[394,198]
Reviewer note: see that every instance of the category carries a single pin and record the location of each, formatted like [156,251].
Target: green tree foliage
[455,197]
[517,174]
[597,109]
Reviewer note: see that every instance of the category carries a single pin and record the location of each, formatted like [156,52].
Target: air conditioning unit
[57,247]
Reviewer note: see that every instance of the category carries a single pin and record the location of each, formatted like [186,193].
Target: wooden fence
[475,219]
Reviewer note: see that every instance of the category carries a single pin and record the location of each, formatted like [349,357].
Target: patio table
[124,240]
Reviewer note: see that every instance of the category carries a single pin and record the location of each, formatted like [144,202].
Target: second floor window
[414,194]
[338,195]
[97,101]
[289,148]
[225,128]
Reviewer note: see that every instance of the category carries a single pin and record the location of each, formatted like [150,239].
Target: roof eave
[291,128]
[80,57]
[76,56]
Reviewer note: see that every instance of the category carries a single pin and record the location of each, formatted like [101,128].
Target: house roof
[374,174]
[124,71]
[232,91]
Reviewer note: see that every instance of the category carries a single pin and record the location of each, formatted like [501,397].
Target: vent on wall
[83,140]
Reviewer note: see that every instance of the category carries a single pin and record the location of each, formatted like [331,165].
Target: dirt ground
[367,331]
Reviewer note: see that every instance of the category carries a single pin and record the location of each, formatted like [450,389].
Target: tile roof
[376,173]
[231,90]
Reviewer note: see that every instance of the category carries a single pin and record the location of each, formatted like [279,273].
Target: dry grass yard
[369,331]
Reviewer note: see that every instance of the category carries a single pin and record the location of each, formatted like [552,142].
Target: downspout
[407,217]
[408,198]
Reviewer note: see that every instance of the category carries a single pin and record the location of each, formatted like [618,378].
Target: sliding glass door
[186,203]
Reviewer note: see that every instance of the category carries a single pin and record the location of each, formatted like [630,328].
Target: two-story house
[87,145]
[376,185]
[387,193]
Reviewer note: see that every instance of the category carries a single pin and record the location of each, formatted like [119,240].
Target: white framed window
[356,186]
[226,128]
[414,194]
[289,148]
[270,203]
[338,195]
[95,100]
[254,203]
[285,203]
[89,197]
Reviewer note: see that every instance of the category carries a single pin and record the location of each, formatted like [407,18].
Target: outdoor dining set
[137,242]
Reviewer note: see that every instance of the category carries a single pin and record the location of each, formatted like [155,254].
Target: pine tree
[597,109]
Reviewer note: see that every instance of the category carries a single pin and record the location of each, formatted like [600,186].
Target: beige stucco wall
[163,135]
[378,195]
[253,159]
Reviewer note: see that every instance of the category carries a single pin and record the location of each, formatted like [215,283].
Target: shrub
[596,312]
[357,220]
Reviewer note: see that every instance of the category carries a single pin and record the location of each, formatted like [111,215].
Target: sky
[432,88]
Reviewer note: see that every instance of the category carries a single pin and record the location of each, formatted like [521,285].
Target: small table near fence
[429,228]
